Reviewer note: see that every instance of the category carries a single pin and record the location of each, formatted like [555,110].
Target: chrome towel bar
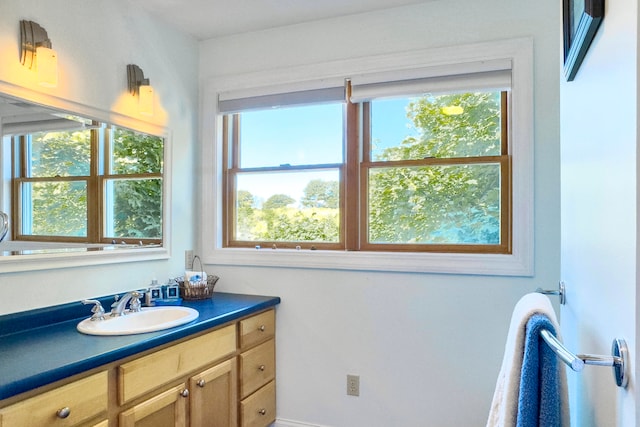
[617,360]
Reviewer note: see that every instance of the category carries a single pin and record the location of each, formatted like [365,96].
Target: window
[92,184]
[498,66]
[414,165]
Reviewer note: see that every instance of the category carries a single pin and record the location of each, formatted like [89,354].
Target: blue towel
[539,400]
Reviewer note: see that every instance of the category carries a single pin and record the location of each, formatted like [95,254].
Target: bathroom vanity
[218,370]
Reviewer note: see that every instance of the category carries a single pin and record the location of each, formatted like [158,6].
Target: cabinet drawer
[85,398]
[149,372]
[259,409]
[257,328]
[257,367]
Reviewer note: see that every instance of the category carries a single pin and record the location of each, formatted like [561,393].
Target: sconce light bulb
[145,100]
[47,66]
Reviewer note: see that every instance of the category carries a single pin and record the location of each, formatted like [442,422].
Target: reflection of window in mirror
[94,184]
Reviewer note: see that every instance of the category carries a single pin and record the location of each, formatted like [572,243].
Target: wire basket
[198,289]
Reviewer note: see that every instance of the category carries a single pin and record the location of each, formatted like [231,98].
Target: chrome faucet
[97,310]
[118,307]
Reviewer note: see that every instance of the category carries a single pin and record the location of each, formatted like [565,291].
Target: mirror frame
[77,258]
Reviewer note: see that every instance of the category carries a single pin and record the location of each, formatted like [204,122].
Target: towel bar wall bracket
[620,351]
[617,360]
[560,292]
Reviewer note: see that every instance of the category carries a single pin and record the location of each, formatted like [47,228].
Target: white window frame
[423,62]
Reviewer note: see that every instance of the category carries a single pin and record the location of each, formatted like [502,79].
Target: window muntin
[90,185]
[473,157]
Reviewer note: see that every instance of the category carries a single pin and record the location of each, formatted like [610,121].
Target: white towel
[504,408]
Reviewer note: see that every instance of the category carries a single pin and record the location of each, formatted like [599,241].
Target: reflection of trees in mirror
[455,203]
[138,202]
[60,189]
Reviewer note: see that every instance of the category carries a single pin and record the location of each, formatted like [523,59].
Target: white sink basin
[148,320]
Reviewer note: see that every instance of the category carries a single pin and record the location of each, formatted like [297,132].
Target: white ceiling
[205,19]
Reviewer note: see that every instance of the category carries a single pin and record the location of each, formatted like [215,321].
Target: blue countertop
[42,346]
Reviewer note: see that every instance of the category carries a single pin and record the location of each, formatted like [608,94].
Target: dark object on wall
[581,19]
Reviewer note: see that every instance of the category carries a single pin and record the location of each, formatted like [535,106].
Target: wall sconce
[141,87]
[36,52]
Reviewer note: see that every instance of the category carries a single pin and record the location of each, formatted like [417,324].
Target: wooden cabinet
[147,373]
[207,398]
[222,378]
[257,370]
[166,409]
[213,401]
[72,404]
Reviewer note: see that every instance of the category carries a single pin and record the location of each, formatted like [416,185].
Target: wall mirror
[78,189]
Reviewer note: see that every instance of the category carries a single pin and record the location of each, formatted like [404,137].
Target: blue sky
[307,135]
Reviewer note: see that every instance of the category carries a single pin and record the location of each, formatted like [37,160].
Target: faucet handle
[134,303]
[97,310]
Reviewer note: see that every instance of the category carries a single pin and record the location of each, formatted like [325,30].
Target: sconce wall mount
[32,36]
[140,86]
[36,53]
[135,79]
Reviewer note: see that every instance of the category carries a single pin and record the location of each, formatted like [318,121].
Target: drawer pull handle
[262,411]
[201,383]
[63,412]
[262,328]
[262,368]
[184,393]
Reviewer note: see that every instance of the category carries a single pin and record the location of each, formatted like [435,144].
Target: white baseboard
[290,423]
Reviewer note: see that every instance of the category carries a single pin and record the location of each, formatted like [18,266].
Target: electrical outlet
[188,259]
[353,385]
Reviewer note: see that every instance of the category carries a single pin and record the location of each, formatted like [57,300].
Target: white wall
[599,131]
[95,41]
[427,347]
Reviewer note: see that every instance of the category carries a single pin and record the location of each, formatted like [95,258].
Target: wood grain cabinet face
[257,370]
[213,401]
[70,405]
[146,373]
[257,328]
[259,409]
[257,367]
[167,409]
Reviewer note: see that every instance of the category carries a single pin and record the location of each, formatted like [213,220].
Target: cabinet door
[214,396]
[167,409]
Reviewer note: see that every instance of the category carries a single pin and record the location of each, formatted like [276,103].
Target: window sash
[353,195]
[95,184]
[505,207]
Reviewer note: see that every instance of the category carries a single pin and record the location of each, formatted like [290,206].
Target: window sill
[408,262]
[77,258]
